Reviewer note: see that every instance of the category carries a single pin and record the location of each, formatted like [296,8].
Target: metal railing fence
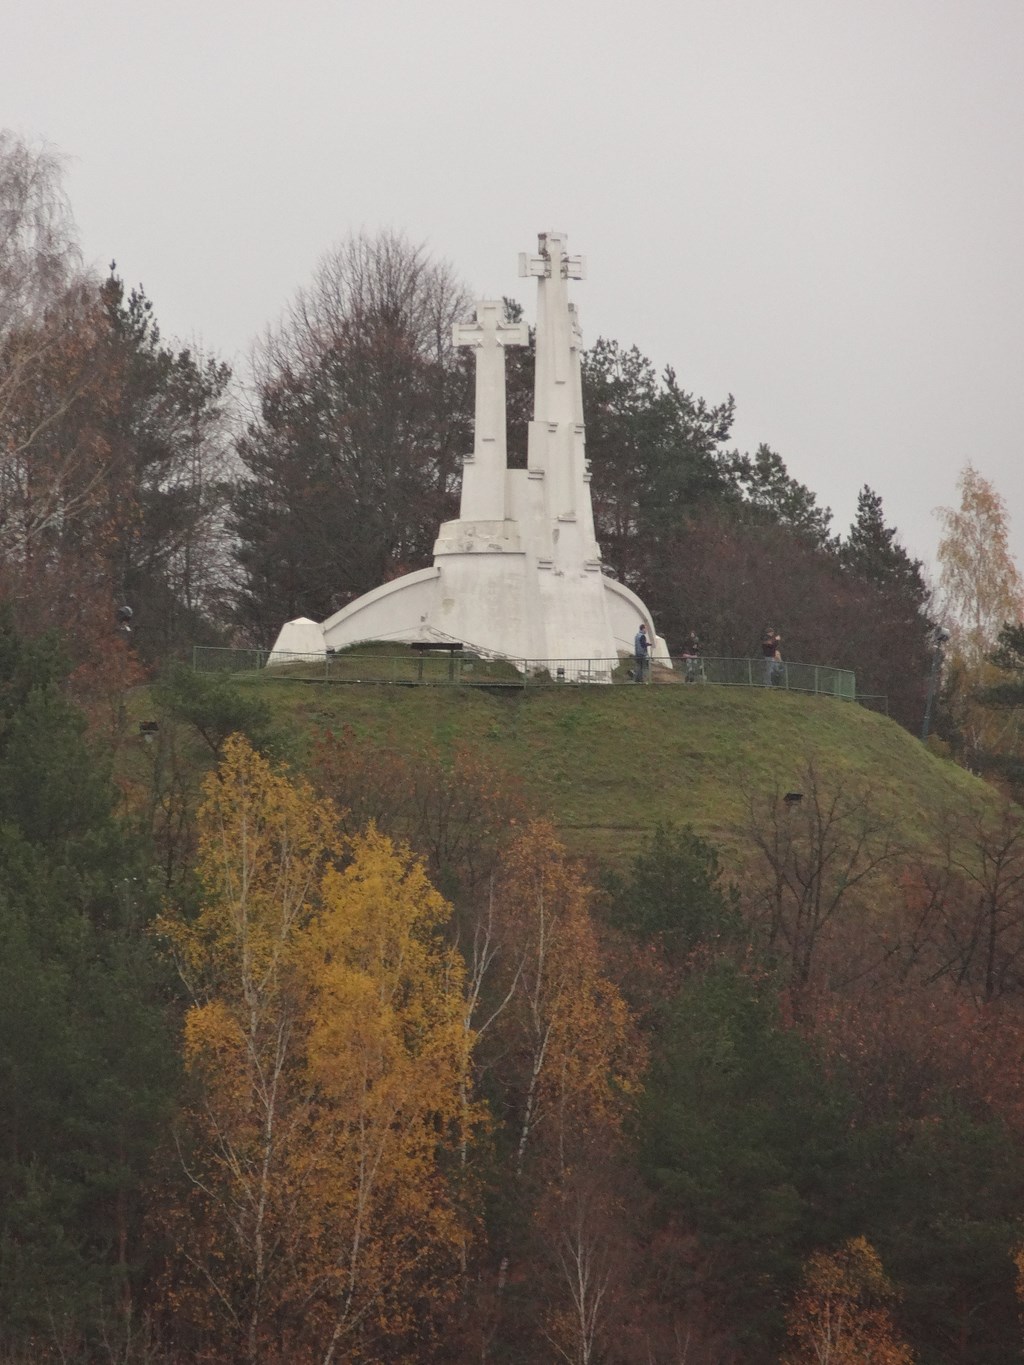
[431,668]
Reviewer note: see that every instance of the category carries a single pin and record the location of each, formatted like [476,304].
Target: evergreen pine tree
[872,551]
[85,1058]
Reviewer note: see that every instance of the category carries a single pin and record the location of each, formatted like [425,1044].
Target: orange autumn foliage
[559,1051]
[842,1315]
[568,1028]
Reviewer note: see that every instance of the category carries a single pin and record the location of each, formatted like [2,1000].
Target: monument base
[482,600]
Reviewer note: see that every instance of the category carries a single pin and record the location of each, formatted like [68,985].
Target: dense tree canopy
[656,453]
[365,412]
[86,1063]
[112,445]
[167,434]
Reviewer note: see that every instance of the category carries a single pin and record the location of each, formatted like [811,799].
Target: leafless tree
[963,911]
[586,1234]
[821,856]
[363,284]
[39,252]
[988,933]
[39,310]
[51,360]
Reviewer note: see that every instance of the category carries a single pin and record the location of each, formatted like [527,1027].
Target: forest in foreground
[327,1036]
[320,1045]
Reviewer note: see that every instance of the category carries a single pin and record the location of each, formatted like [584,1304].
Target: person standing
[771,643]
[691,657]
[642,655]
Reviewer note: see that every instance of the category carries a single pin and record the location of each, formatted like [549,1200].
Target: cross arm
[500,333]
[573,267]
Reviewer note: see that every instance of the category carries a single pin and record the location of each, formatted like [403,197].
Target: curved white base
[483,601]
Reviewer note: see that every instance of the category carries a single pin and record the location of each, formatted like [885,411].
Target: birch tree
[843,1315]
[980,587]
[980,591]
[38,241]
[327,1050]
[562,1052]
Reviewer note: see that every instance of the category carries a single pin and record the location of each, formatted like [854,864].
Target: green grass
[610,763]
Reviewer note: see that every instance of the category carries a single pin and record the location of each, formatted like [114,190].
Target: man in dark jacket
[642,655]
[770,648]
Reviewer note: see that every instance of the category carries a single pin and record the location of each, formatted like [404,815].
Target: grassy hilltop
[717,1086]
[609,763]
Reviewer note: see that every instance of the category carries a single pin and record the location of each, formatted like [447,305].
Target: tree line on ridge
[216,507]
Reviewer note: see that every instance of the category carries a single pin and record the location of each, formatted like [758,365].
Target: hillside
[609,764]
[736,1081]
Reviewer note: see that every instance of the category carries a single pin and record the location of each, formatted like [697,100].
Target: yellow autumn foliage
[980,586]
[264,842]
[842,1315]
[329,1052]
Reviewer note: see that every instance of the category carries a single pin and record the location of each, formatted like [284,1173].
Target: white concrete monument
[518,575]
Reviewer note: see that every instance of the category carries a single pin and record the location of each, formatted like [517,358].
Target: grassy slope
[610,763]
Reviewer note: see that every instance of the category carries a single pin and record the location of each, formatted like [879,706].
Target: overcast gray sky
[815,205]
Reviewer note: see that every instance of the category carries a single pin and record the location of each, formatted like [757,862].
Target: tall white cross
[483,479]
[553,268]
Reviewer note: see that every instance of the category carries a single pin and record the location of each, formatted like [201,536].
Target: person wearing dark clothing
[642,655]
[770,648]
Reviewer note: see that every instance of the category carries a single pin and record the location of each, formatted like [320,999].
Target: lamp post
[939,637]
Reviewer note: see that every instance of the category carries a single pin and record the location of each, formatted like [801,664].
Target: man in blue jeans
[772,656]
[642,655]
